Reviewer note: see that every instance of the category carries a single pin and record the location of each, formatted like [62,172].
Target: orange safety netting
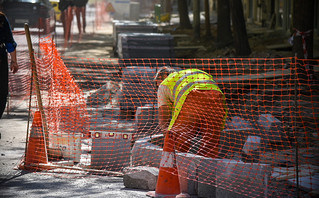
[102,116]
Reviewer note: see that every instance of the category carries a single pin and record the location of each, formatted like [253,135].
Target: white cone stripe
[168,160]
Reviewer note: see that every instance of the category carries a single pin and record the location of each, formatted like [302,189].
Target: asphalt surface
[13,129]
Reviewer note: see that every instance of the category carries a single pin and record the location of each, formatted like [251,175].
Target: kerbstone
[238,179]
[144,153]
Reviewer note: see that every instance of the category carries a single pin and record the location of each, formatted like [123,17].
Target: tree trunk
[239,28]
[207,19]
[303,20]
[224,34]
[184,21]
[196,20]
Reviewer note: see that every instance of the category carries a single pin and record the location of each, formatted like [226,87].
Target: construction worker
[191,108]
[7,45]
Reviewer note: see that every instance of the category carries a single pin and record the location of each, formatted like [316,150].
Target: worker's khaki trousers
[201,118]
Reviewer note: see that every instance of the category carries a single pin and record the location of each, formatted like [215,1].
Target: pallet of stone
[145,45]
[131,26]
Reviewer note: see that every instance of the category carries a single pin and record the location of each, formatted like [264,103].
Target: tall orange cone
[36,150]
[167,182]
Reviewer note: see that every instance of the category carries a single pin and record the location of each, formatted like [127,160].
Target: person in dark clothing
[7,45]
[80,6]
[66,7]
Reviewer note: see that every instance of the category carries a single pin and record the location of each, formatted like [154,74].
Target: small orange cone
[167,182]
[36,150]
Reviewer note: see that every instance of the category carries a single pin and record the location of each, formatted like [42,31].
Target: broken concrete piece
[251,149]
[252,144]
[268,121]
[140,177]
[104,94]
[239,123]
[273,130]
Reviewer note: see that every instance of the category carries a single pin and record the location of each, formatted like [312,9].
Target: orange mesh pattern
[102,116]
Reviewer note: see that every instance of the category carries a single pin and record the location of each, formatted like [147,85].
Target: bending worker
[191,106]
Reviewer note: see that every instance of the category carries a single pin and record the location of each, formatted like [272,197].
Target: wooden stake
[37,87]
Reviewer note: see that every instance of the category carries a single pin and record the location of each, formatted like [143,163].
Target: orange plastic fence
[102,116]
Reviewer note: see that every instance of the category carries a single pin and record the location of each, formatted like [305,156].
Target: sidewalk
[13,128]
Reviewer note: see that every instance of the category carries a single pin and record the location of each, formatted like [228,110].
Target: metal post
[295,124]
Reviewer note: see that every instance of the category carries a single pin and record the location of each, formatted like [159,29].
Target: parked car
[55,4]
[37,13]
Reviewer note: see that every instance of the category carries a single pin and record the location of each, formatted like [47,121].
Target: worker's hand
[14,66]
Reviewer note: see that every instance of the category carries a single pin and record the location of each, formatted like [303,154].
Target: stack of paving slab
[145,45]
[131,27]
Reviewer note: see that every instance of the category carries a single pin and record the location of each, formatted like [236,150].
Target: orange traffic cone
[36,150]
[167,181]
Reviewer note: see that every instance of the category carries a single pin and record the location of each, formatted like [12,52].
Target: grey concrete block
[140,177]
[144,153]
[206,173]
[309,183]
[238,179]
[110,150]
[146,118]
[187,165]
[269,122]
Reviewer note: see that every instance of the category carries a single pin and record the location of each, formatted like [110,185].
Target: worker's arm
[164,116]
[14,64]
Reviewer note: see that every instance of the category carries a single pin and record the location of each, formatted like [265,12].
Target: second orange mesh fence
[102,115]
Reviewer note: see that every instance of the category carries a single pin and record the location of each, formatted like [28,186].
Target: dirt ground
[264,43]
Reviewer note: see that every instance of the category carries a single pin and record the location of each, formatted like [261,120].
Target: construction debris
[140,177]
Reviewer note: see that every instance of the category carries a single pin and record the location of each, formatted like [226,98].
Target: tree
[196,20]
[239,28]
[184,21]
[224,34]
[207,19]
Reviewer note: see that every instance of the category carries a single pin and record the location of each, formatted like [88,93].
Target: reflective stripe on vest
[181,83]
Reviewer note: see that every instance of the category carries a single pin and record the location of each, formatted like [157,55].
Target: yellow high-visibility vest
[181,83]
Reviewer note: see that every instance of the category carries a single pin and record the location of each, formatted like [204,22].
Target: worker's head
[162,73]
